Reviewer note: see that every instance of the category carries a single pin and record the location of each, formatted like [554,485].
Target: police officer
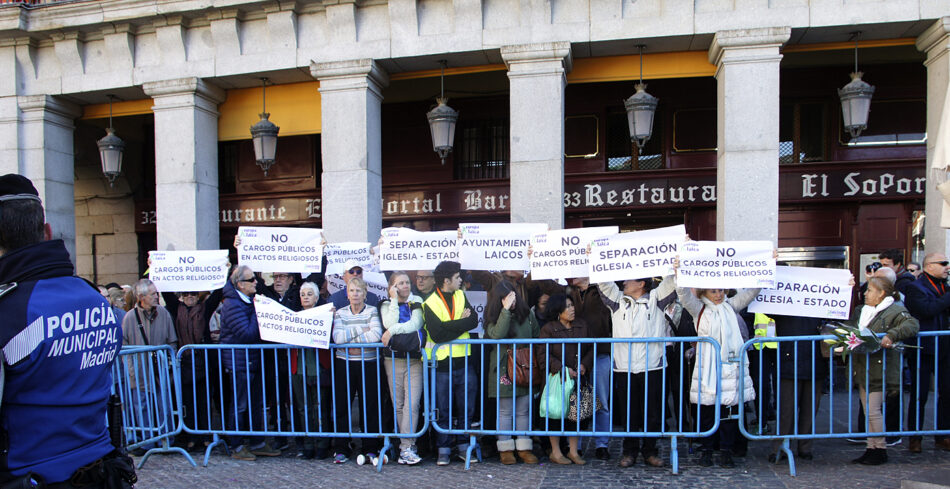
[59,339]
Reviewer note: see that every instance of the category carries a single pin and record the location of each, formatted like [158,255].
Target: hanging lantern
[855,98]
[641,107]
[110,151]
[442,120]
[264,135]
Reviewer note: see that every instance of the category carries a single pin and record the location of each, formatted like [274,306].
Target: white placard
[726,265]
[639,254]
[188,271]
[339,253]
[808,292]
[375,282]
[478,299]
[497,246]
[563,253]
[407,249]
[276,249]
[310,327]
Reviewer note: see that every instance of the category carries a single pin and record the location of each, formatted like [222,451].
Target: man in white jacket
[637,312]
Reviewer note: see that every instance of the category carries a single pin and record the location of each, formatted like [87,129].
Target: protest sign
[375,283]
[639,254]
[276,249]
[478,299]
[497,246]
[726,264]
[310,327]
[188,271]
[339,253]
[563,253]
[809,292]
[407,249]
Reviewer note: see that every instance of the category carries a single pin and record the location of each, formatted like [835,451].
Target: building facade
[747,140]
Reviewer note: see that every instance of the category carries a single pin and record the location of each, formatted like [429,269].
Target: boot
[863,457]
[913,445]
[524,447]
[725,459]
[705,460]
[877,456]
[506,451]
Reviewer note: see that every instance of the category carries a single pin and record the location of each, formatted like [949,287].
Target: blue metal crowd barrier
[629,427]
[232,381]
[145,378]
[817,373]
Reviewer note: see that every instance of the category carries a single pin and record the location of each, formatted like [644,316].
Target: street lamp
[442,121]
[855,98]
[641,107]
[264,134]
[110,150]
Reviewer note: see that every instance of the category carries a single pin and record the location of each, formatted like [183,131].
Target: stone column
[186,163]
[747,106]
[536,74]
[46,157]
[935,41]
[351,97]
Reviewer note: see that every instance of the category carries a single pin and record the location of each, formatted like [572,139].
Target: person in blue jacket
[242,368]
[59,339]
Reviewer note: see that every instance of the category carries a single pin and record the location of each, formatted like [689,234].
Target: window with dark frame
[482,149]
[890,123]
[802,130]
[624,155]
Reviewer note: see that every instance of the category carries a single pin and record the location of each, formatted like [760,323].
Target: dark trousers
[246,412]
[645,396]
[728,428]
[798,404]
[313,407]
[920,383]
[455,409]
[765,384]
[277,373]
[362,378]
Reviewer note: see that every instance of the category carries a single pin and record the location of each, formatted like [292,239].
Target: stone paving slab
[831,469]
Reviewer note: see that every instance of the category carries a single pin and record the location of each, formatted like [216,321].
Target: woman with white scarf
[880,314]
[716,316]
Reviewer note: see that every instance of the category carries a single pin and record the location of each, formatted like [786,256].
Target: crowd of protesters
[631,387]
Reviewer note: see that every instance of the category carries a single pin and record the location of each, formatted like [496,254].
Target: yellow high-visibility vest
[435,304]
[761,329]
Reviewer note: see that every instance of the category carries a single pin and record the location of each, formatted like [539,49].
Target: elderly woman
[880,314]
[716,317]
[312,395]
[401,313]
[117,301]
[562,324]
[356,369]
[507,316]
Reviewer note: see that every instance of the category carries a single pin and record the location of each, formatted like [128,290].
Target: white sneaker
[409,457]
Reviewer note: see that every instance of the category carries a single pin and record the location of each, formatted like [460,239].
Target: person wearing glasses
[425,284]
[914,269]
[928,300]
[340,299]
[191,313]
[242,368]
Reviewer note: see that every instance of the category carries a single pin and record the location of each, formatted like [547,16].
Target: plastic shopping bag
[555,396]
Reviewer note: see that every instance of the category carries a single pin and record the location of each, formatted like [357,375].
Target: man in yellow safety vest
[449,316]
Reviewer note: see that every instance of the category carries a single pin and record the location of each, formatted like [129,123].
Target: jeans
[405,386]
[464,387]
[520,406]
[151,416]
[603,365]
[247,410]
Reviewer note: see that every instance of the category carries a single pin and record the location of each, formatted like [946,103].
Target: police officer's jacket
[59,338]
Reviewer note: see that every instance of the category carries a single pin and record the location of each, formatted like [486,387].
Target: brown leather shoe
[913,445]
[576,458]
[527,457]
[507,457]
[560,459]
[943,444]
[654,461]
[627,461]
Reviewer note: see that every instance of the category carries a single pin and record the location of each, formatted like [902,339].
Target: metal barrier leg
[472,446]
[166,448]
[791,457]
[384,452]
[674,455]
[215,442]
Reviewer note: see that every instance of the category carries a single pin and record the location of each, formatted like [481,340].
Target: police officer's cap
[17,187]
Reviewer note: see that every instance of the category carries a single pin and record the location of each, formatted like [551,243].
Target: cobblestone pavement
[831,468]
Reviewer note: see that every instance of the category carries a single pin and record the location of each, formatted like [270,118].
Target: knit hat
[17,187]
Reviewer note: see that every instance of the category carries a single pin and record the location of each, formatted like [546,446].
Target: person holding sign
[356,368]
[449,316]
[312,366]
[716,317]
[637,312]
[402,318]
[507,316]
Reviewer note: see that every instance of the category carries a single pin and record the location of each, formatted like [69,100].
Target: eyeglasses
[278,276]
[249,280]
[190,294]
[355,271]
[941,263]
[911,270]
